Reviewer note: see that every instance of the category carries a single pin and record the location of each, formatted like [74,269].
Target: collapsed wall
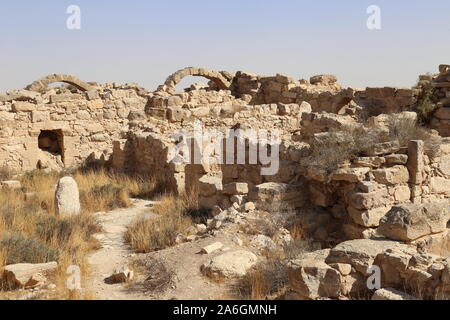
[132,129]
[389,198]
[437,98]
[65,127]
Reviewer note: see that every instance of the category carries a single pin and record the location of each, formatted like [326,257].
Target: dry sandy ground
[183,261]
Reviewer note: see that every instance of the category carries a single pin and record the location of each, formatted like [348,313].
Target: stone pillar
[415,166]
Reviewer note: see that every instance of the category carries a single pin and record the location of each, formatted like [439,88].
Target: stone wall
[86,123]
[361,192]
[440,99]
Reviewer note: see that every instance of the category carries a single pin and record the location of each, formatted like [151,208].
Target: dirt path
[114,252]
[183,260]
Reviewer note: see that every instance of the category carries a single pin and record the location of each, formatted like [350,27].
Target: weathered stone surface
[383,148]
[402,193]
[354,231]
[212,247]
[368,218]
[209,185]
[393,175]
[67,197]
[442,113]
[236,188]
[26,274]
[312,278]
[23,107]
[249,206]
[411,221]
[440,185]
[391,294]
[177,114]
[121,275]
[394,264]
[359,253]
[344,268]
[415,161]
[364,201]
[263,242]
[396,159]
[350,174]
[41,84]
[229,265]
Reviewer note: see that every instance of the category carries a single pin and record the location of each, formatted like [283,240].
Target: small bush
[149,234]
[425,106]
[405,130]
[157,277]
[331,149]
[6,173]
[265,281]
[19,249]
[106,197]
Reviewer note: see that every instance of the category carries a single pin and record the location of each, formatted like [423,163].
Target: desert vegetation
[31,231]
[175,216]
[340,145]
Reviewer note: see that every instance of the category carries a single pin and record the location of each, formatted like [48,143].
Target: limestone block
[236,188]
[23,107]
[231,264]
[393,175]
[360,253]
[312,278]
[391,294]
[368,218]
[411,221]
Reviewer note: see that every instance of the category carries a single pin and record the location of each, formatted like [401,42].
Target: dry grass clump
[31,231]
[155,276]
[267,280]
[405,130]
[331,149]
[156,233]
[425,106]
[6,173]
[279,215]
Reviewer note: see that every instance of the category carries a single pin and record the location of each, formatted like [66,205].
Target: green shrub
[26,250]
[49,228]
[425,106]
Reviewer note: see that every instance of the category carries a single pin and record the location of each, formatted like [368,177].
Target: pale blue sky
[145,41]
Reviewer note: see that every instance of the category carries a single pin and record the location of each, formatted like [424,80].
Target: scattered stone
[236,188]
[408,222]
[121,275]
[391,294]
[344,268]
[231,264]
[201,228]
[312,278]
[249,206]
[211,248]
[238,241]
[263,242]
[26,275]
[359,253]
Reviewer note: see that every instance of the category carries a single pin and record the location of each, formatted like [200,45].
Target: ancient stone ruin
[387,204]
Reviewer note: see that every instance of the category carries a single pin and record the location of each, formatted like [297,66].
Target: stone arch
[41,84]
[218,78]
